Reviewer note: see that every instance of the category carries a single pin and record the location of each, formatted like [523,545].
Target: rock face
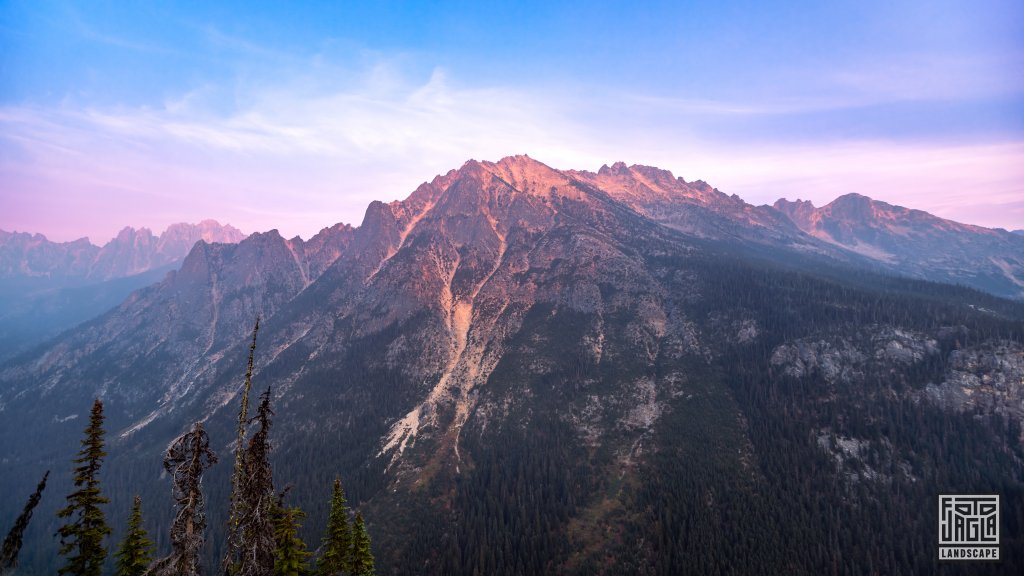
[541,370]
[988,378]
[917,243]
[840,359]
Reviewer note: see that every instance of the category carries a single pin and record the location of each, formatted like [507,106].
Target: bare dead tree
[12,544]
[187,457]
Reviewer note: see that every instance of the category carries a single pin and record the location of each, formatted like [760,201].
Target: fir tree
[188,456]
[232,556]
[12,543]
[135,553]
[255,524]
[362,557]
[291,554]
[82,538]
[337,543]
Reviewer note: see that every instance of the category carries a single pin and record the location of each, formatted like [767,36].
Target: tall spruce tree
[362,557]
[255,524]
[135,553]
[291,554]
[12,543]
[232,556]
[82,537]
[188,456]
[336,558]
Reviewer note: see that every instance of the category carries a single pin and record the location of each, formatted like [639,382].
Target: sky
[296,115]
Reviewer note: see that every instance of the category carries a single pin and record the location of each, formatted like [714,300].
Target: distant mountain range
[916,243]
[47,287]
[131,252]
[524,370]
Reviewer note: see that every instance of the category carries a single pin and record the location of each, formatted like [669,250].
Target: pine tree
[232,556]
[255,524]
[135,553]
[188,456]
[12,543]
[337,543]
[291,554]
[82,538]
[362,557]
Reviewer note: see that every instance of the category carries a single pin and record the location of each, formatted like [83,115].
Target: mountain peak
[131,251]
[519,163]
[801,204]
[859,206]
[128,233]
[516,159]
[616,169]
[526,175]
[801,212]
[209,230]
[644,186]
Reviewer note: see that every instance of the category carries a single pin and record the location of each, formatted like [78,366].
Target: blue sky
[295,115]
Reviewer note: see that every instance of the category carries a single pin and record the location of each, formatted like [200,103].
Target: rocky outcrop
[988,377]
[845,358]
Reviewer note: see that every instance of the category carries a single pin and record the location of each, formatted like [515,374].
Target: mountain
[696,208]
[131,252]
[47,287]
[917,243]
[522,370]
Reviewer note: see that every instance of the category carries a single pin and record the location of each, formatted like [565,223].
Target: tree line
[262,530]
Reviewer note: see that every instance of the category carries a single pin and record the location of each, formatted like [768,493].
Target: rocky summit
[524,370]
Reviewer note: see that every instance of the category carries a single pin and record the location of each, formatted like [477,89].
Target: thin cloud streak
[803,91]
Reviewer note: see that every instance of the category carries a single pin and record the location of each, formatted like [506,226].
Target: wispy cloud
[855,85]
[74,23]
[310,150]
[931,77]
[286,154]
